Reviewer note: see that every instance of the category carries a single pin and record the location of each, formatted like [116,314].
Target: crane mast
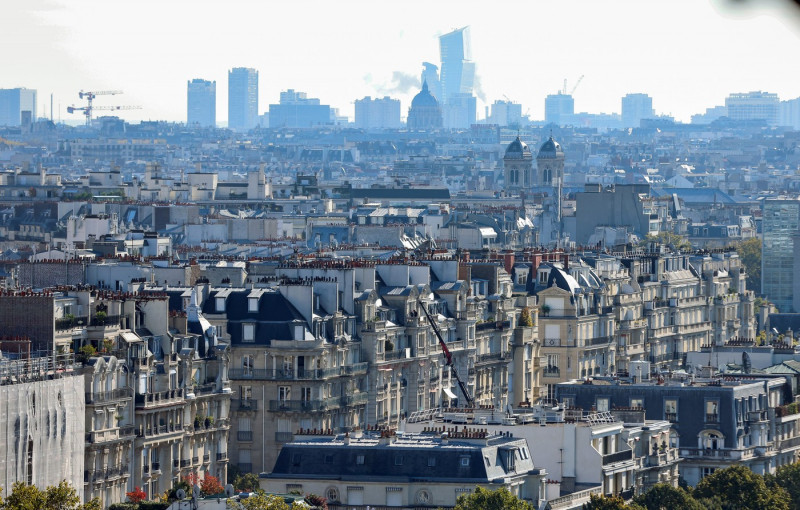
[448,356]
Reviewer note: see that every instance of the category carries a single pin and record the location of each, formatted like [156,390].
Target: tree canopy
[485,499]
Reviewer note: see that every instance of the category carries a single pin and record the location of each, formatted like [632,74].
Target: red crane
[448,356]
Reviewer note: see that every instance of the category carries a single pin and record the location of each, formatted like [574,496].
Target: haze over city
[688,55]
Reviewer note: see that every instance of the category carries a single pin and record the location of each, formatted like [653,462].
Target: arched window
[711,440]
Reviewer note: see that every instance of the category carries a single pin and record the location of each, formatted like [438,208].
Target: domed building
[550,163]
[425,112]
[518,166]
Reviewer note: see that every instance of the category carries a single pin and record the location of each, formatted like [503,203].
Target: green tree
[485,499]
[666,497]
[247,482]
[788,477]
[608,503]
[739,488]
[673,241]
[750,254]
[58,497]
[24,497]
[525,318]
[263,501]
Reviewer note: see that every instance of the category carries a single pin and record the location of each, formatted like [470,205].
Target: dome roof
[550,149]
[517,150]
[424,98]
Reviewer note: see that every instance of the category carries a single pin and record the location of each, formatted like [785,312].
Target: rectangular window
[431,461]
[244,425]
[671,409]
[360,460]
[305,394]
[248,333]
[637,402]
[712,411]
[252,304]
[464,462]
[220,304]
[284,393]
[603,404]
[398,460]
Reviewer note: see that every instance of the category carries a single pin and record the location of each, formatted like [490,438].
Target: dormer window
[220,301]
[252,304]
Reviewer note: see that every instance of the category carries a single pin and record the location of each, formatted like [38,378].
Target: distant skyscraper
[430,74]
[201,99]
[557,107]
[242,98]
[458,70]
[17,106]
[780,223]
[297,110]
[636,107]
[753,106]
[789,113]
[377,113]
[460,111]
[506,113]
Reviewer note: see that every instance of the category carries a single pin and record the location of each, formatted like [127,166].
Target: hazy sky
[687,54]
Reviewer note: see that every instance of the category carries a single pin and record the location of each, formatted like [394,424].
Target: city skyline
[65,47]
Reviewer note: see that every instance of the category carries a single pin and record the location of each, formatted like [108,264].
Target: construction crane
[564,90]
[576,85]
[89,108]
[448,356]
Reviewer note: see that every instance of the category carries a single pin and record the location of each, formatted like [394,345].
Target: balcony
[303,406]
[493,356]
[602,340]
[284,437]
[712,418]
[280,374]
[156,468]
[551,372]
[613,458]
[671,417]
[108,321]
[244,435]
[222,457]
[185,463]
[353,400]
[104,397]
[160,398]
[490,325]
[355,369]
[66,323]
[110,435]
[160,430]
[195,460]
[206,458]
[245,405]
[628,325]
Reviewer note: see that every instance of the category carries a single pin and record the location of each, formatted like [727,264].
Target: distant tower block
[518,166]
[550,164]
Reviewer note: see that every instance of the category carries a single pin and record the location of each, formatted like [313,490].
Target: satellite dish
[180,494]
[229,490]
[196,492]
